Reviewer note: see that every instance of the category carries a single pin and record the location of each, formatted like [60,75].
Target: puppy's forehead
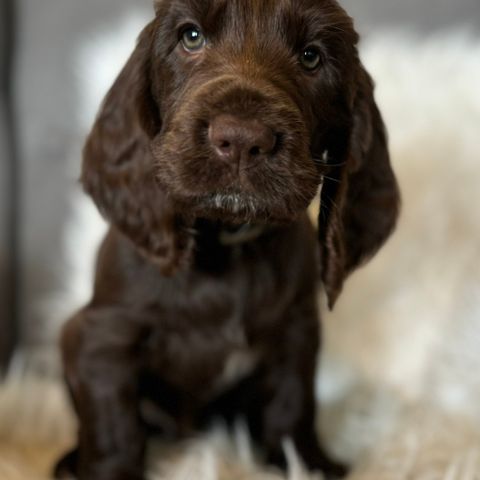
[244,4]
[253,14]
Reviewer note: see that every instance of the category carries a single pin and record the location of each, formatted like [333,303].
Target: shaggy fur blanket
[399,381]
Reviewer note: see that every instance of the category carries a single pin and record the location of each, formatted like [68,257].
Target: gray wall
[421,15]
[47,100]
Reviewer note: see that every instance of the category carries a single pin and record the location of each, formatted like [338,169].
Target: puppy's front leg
[288,388]
[101,360]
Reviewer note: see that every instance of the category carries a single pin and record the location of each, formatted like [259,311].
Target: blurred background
[50,91]
[399,377]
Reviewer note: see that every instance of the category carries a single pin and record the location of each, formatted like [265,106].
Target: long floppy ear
[119,170]
[360,197]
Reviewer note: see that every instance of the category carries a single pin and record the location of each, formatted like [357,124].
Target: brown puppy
[206,153]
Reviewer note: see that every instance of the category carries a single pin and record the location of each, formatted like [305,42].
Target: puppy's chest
[205,359]
[212,341]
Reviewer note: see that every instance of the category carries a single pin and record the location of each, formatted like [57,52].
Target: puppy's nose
[235,139]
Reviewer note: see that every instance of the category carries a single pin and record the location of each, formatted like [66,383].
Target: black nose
[240,140]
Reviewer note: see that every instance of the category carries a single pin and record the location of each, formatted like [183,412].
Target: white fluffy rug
[400,375]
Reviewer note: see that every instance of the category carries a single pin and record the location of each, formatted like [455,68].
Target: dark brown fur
[172,301]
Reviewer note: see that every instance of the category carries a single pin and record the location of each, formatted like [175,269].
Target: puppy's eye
[311,58]
[193,39]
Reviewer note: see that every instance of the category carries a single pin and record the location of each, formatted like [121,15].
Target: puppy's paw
[332,469]
[66,467]
[314,461]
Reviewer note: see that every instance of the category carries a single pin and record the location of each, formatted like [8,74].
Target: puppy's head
[247,94]
[238,110]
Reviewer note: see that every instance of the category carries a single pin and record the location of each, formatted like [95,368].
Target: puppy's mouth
[232,202]
[233,207]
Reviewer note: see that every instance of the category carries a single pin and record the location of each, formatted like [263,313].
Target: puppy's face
[253,96]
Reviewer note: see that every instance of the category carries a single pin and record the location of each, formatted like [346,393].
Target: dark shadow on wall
[9,193]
